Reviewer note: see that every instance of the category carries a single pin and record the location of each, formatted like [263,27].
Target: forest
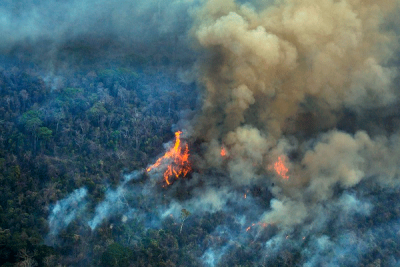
[85,132]
[199,133]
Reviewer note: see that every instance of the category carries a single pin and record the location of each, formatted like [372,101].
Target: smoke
[67,210]
[61,35]
[115,202]
[265,64]
[278,80]
[76,206]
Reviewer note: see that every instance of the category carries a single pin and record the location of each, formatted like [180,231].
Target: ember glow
[223,152]
[280,168]
[178,158]
[259,224]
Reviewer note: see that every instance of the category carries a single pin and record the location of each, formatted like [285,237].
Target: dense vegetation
[79,130]
[86,129]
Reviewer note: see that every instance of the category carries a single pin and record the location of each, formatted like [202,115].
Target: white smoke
[67,210]
[277,81]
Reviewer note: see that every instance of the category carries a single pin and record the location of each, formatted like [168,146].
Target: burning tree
[280,167]
[177,158]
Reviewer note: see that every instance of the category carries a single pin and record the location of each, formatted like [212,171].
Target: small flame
[180,165]
[223,152]
[280,168]
[264,225]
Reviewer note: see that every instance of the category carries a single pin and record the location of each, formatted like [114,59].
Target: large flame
[178,158]
[280,167]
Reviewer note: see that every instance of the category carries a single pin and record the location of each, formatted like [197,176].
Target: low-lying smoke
[115,202]
[67,210]
[61,35]
[279,81]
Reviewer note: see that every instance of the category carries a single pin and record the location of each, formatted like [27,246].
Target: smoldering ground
[311,81]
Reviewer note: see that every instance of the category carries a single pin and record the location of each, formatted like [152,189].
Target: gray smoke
[74,206]
[68,33]
[67,210]
[279,80]
[115,202]
[267,64]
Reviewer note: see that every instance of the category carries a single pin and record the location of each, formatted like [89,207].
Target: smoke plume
[66,210]
[278,81]
[307,83]
[266,72]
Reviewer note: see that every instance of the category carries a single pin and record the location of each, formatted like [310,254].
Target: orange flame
[280,168]
[264,225]
[223,152]
[179,166]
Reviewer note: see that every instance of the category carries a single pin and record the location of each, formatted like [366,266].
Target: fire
[280,168]
[179,157]
[223,152]
[263,225]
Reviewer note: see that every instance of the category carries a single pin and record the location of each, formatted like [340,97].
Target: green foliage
[17,172]
[31,120]
[184,214]
[82,134]
[42,252]
[45,133]
[71,92]
[2,163]
[116,255]
[97,110]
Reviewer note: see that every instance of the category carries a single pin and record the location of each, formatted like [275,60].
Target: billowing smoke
[278,81]
[264,69]
[308,83]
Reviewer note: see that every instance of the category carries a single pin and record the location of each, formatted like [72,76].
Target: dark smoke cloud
[279,80]
[271,71]
[267,64]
